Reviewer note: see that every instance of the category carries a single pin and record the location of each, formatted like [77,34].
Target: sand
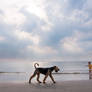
[62,86]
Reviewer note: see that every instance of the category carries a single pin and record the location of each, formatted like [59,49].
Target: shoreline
[61,86]
[52,73]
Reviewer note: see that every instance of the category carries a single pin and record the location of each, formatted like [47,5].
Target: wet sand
[62,86]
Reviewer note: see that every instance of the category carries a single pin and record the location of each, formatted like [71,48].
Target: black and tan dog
[46,71]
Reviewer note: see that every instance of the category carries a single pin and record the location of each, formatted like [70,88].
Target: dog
[45,71]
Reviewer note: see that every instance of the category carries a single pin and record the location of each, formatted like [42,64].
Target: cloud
[46,29]
[70,45]
[22,35]
[2,38]
[41,50]
[72,4]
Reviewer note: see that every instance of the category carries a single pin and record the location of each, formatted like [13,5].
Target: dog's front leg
[52,78]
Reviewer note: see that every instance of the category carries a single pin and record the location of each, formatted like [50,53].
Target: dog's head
[56,69]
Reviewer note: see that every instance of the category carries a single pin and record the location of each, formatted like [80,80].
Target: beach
[61,86]
[72,77]
[21,71]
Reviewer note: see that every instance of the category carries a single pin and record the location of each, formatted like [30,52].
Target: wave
[11,72]
[52,73]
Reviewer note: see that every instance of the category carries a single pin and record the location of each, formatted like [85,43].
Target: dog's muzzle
[56,70]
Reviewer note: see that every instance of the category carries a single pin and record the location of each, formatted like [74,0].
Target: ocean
[21,71]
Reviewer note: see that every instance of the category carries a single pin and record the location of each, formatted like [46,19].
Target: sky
[53,30]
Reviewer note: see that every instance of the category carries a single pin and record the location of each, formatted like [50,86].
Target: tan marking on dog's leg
[32,77]
[52,78]
[38,76]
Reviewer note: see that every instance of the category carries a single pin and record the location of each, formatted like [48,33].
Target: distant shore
[71,73]
[63,86]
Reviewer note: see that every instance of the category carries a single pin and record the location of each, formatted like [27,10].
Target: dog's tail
[35,65]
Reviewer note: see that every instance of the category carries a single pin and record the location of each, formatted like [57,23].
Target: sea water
[21,71]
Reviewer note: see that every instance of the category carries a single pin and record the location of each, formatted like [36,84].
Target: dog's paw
[44,82]
[54,82]
[40,82]
[29,82]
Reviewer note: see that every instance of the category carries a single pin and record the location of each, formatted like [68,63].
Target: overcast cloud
[46,30]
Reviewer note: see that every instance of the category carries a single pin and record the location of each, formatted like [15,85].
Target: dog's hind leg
[38,76]
[32,77]
[45,78]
